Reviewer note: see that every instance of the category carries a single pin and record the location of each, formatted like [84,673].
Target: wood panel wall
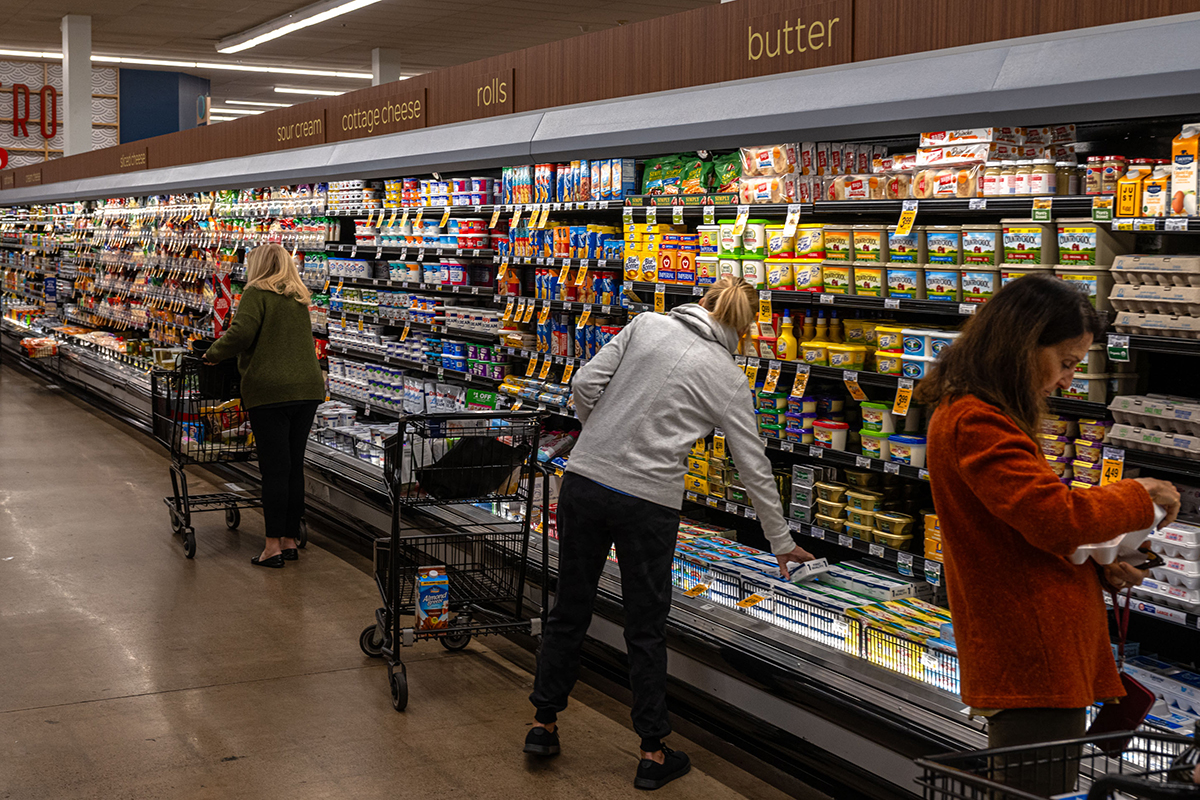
[712,44]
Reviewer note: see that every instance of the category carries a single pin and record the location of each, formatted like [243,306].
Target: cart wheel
[189,543]
[371,645]
[399,685]
[302,539]
[233,518]
[176,523]
[454,642]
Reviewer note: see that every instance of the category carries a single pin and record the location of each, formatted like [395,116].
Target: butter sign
[392,112]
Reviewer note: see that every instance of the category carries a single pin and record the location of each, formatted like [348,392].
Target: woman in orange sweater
[1031,626]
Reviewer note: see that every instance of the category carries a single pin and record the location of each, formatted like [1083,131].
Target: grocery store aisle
[127,671]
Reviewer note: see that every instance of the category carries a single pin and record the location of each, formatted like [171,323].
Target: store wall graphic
[154,102]
[31,114]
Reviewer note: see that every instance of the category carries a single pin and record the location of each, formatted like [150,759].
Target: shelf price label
[851,380]
[696,590]
[710,215]
[545,370]
[1175,224]
[1118,347]
[903,398]
[933,573]
[581,274]
[1102,208]
[545,217]
[739,224]
[907,216]
[562,274]
[496,211]
[1043,207]
[445,216]
[508,309]
[660,297]
[627,215]
[404,333]
[568,371]
[977,204]
[793,219]
[1112,465]
[752,372]
[417,218]
[904,564]
[651,215]
[371,218]
[527,314]
[501,272]
[392,218]
[876,550]
[845,540]
[544,314]
[531,367]
[516,217]
[801,381]
[751,601]
[677,215]
[585,316]
[773,370]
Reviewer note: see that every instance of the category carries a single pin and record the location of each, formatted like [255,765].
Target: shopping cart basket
[197,415]
[1075,768]
[462,489]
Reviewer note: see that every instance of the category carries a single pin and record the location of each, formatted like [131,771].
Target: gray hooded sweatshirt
[650,393]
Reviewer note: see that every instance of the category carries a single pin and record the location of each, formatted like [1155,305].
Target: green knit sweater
[272,337]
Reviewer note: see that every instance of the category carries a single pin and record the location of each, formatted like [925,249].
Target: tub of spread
[870,244]
[810,275]
[729,266]
[730,242]
[801,435]
[1027,242]
[1009,273]
[754,270]
[837,277]
[889,337]
[861,479]
[1056,445]
[802,405]
[833,492]
[943,284]
[708,269]
[839,243]
[754,237]
[875,444]
[944,244]
[829,508]
[1083,243]
[854,331]
[894,523]
[797,420]
[908,449]
[1095,284]
[810,242]
[1089,451]
[847,356]
[978,285]
[779,245]
[940,340]
[831,434]
[863,532]
[869,279]
[772,401]
[916,341]
[888,363]
[709,239]
[982,245]
[1061,466]
[870,337]
[780,274]
[908,249]
[771,417]
[864,500]
[890,540]
[1093,388]
[906,281]
[770,431]
[1086,472]
[1058,425]
[877,417]
[830,404]
[832,524]
[1094,430]
[816,353]
[915,367]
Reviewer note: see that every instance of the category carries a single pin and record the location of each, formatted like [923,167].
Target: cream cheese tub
[908,449]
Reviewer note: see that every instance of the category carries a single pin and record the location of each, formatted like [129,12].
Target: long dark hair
[995,359]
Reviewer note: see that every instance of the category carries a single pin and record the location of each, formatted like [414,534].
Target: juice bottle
[787,346]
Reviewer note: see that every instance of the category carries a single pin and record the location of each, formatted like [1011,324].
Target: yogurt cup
[830,434]
[908,449]
[1056,445]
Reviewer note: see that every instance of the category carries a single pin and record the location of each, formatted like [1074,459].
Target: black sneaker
[541,742]
[652,775]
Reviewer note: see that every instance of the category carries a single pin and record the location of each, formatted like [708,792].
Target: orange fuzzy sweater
[1030,625]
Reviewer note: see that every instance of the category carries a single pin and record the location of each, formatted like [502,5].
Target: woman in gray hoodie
[648,395]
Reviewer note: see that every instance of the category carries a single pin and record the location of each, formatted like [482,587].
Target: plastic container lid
[906,439]
[831,425]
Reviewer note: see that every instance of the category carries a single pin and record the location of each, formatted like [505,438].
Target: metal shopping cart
[462,488]
[197,415]
[1079,768]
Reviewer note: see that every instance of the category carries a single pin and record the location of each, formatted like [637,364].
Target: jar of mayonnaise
[993,179]
[1043,180]
[1021,177]
[1008,178]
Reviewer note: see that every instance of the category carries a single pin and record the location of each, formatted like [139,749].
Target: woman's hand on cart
[796,556]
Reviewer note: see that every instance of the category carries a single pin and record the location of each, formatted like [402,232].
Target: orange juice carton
[1185,150]
[433,598]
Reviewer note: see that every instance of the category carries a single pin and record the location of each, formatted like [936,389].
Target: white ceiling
[430,34]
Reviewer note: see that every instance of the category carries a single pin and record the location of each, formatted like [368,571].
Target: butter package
[841,577]
[433,598]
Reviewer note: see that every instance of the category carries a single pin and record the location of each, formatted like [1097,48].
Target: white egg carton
[1155,299]
[1178,541]
[1168,595]
[1161,270]
[1177,578]
[1155,441]
[1126,544]
[1156,411]
[1182,327]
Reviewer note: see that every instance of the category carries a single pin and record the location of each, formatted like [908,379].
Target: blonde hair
[272,268]
[731,302]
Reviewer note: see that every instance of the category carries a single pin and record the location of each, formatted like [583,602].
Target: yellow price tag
[851,381]
[907,217]
[417,218]
[341,283]
[903,398]
[801,381]
[751,601]
[501,273]
[516,406]
[581,275]
[404,218]
[764,308]
[404,333]
[793,219]
[516,217]
[696,590]
[752,372]
[445,216]
[563,273]
[531,367]
[392,218]
[528,315]
[1112,465]
[545,216]
[508,309]
[660,298]
[371,217]
[495,216]
[545,369]
[773,370]
[743,215]
[568,372]
[584,317]
[544,314]
[360,325]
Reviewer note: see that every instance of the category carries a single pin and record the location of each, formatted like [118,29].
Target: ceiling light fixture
[257,103]
[246,111]
[315,92]
[290,23]
[221,119]
[217,65]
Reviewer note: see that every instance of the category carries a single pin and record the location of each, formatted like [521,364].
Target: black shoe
[274,562]
[541,742]
[652,775]
[290,554]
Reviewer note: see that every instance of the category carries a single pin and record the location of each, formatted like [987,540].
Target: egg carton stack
[1176,584]
[1157,295]
[1157,423]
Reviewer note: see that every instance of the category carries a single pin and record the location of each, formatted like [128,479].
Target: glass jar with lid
[1114,170]
[1008,177]
[1067,178]
[1021,177]
[1094,175]
[1043,179]
[993,180]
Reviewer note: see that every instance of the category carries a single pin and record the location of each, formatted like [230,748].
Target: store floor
[127,671]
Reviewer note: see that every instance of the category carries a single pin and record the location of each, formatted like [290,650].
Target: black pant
[591,519]
[281,435]
[1040,771]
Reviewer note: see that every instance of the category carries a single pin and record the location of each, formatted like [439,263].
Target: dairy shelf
[726,206]
[441,373]
[1164,344]
[505,208]
[422,253]
[559,261]
[415,286]
[846,459]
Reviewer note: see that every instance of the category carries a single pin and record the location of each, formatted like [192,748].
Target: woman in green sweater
[282,384]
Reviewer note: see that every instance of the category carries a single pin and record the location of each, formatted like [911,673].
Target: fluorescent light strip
[256,103]
[246,111]
[222,119]
[317,92]
[281,26]
[162,62]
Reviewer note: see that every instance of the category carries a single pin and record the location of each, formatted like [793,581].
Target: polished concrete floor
[128,671]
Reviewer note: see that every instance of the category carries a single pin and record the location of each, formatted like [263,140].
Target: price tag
[1118,347]
[660,298]
[508,309]
[752,372]
[516,217]
[825,299]
[417,218]
[751,514]
[1122,224]
[585,316]
[817,533]
[1102,208]
[891,467]
[933,573]
[545,216]
[793,219]
[862,462]
[787,447]
[677,215]
[743,215]
[696,590]
[845,540]
[773,370]
[627,215]
[904,562]
[360,325]
[354,251]
[445,216]
[581,274]
[1144,225]
[891,303]
[378,252]
[1176,224]
[568,372]
[710,215]
[731,508]
[1042,209]
[527,315]
[392,218]
[903,398]
[816,451]
[967,309]
[907,217]
[751,601]
[404,333]
[764,307]
[876,550]
[371,218]
[545,370]
[1112,465]
[495,216]
[544,314]
[531,367]
[801,381]
[651,215]
[923,474]
[562,274]
[851,380]
[977,204]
